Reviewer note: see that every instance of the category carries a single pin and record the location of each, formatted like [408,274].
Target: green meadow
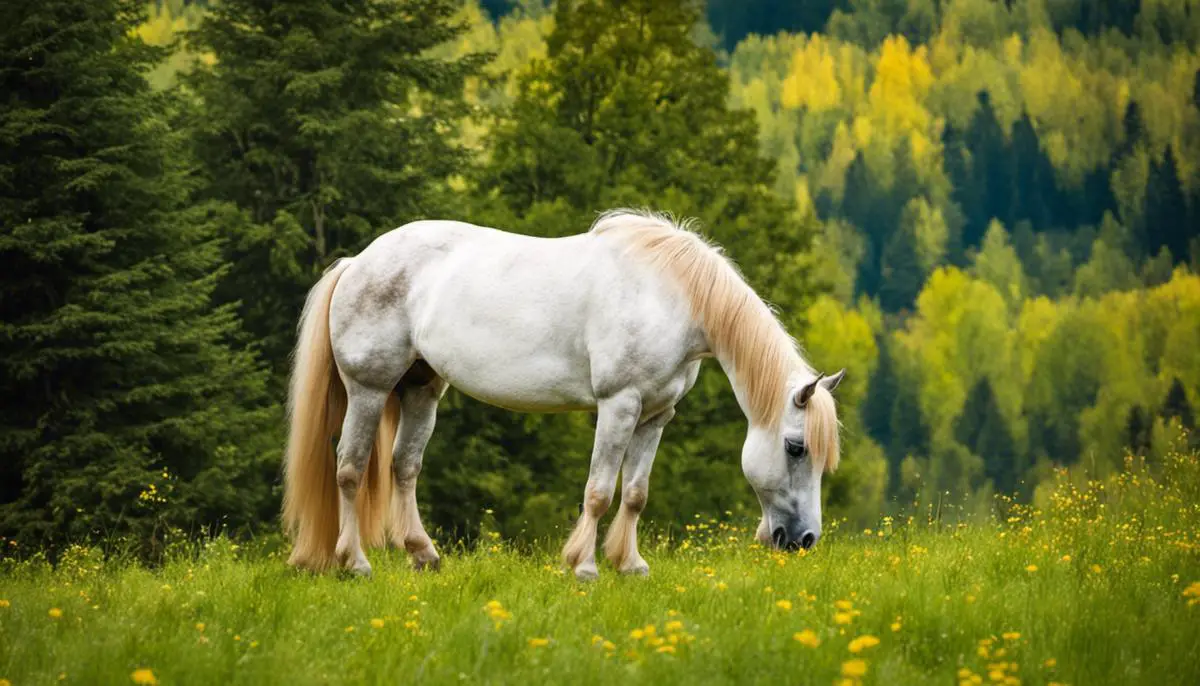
[1101,584]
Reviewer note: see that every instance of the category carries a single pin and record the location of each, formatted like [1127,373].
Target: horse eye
[794,447]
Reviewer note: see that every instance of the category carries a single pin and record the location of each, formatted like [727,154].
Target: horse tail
[316,409]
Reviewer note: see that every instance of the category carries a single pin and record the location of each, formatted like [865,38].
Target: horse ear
[831,382]
[806,391]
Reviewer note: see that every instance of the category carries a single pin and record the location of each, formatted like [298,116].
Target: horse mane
[740,327]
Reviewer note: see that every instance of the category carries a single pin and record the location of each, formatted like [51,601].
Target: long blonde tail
[316,409]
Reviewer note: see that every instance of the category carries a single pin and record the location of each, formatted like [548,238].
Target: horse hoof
[361,569]
[587,572]
[639,568]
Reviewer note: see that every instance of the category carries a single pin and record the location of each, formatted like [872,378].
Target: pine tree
[326,124]
[1166,216]
[1137,430]
[1177,406]
[983,430]
[626,110]
[123,407]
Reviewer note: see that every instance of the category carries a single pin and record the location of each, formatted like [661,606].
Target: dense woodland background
[987,211]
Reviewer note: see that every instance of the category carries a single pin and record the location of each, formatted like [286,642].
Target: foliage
[325,124]
[124,408]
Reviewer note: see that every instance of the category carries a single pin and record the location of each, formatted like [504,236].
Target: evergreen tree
[983,430]
[1177,406]
[1166,216]
[327,124]
[1137,430]
[123,407]
[900,271]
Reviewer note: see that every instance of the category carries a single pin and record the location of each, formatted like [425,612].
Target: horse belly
[517,344]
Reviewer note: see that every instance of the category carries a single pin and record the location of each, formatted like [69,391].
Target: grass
[1098,586]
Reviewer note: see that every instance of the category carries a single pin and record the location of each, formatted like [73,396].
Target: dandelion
[1066,558]
[807,638]
[842,618]
[376,623]
[785,605]
[843,604]
[854,669]
[609,646]
[862,643]
[144,676]
[200,627]
[5,682]
[680,589]
[637,634]
[665,649]
[721,585]
[896,625]
[674,625]
[412,625]
[1096,569]
[1050,663]
[349,629]
[539,642]
[4,603]
[1010,636]
[1192,593]
[55,613]
[1031,568]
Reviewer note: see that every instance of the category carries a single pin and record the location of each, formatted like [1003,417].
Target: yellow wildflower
[1050,663]
[144,676]
[843,604]
[1031,568]
[807,638]
[412,625]
[1010,635]
[842,618]
[376,623]
[597,638]
[863,642]
[200,627]
[539,642]
[55,613]
[349,629]
[1066,558]
[665,649]
[680,589]
[637,634]
[896,625]
[674,625]
[1096,569]
[785,605]
[854,668]
[610,646]
[4,603]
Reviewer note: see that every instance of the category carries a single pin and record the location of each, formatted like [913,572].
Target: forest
[987,211]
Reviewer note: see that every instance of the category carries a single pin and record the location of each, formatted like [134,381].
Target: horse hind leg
[420,390]
[363,412]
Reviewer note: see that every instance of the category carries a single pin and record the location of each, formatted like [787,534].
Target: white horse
[616,320]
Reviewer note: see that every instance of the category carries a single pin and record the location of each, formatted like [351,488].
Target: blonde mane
[740,327]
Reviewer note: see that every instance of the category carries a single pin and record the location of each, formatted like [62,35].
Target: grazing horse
[616,320]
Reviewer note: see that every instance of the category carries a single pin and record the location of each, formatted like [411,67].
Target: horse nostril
[779,537]
[808,540]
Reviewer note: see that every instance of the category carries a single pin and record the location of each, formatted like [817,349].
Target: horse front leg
[620,545]
[616,420]
[418,415]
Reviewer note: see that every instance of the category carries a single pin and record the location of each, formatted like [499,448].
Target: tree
[1166,215]
[1177,406]
[124,409]
[1138,428]
[326,124]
